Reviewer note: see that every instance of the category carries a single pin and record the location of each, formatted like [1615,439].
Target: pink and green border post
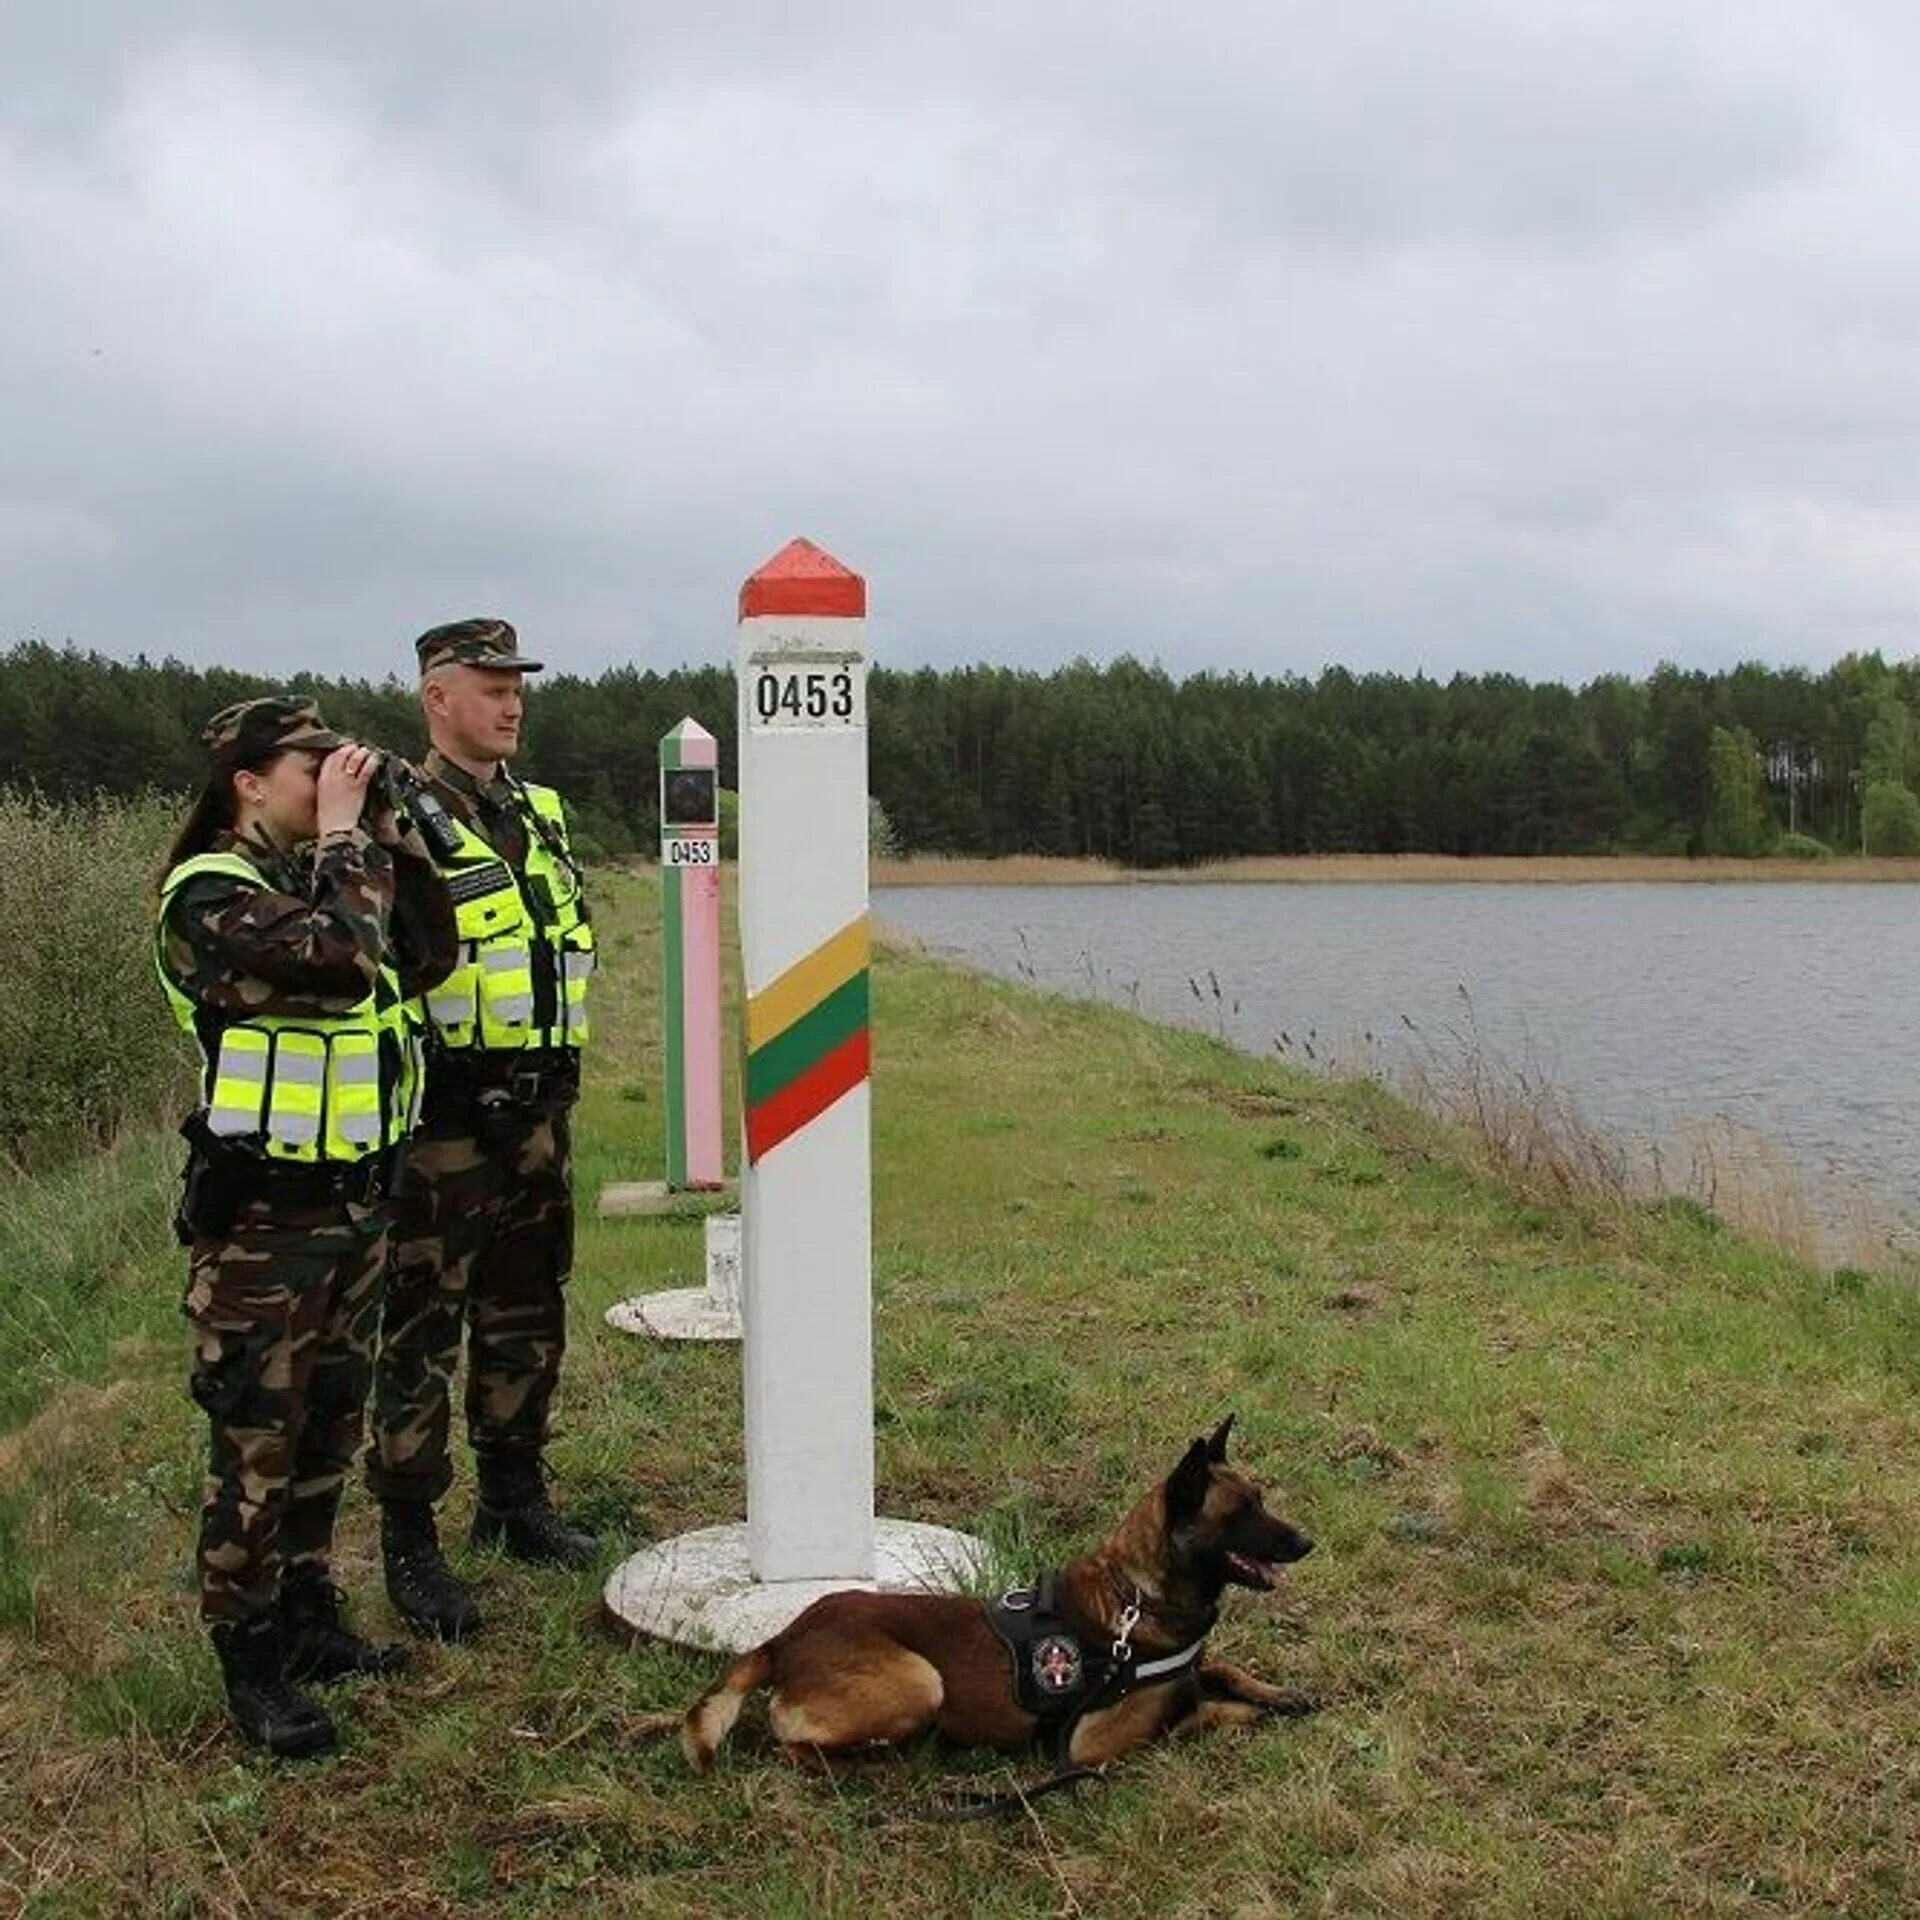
[689,1045]
[801,671]
[690,955]
[689,984]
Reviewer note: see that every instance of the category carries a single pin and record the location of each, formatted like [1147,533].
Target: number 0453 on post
[810,694]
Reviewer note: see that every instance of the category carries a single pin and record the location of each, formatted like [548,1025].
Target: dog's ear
[1187,1484]
[1217,1439]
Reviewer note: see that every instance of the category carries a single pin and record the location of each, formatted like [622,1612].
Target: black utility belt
[538,1078]
[320,1183]
[225,1174]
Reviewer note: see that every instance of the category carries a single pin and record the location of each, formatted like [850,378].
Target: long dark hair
[214,811]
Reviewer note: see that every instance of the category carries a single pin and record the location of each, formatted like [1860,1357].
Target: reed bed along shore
[1035,870]
[1536,1131]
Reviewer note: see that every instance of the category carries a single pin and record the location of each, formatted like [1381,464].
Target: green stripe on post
[810,1038]
[673,1019]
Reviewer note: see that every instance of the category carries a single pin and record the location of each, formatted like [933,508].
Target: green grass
[1616,1607]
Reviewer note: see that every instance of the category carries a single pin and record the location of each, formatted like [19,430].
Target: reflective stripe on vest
[310,1087]
[239,1089]
[354,1112]
[506,984]
[489,1000]
[576,969]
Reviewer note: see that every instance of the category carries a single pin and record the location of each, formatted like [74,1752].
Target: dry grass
[1748,1179]
[1520,1118]
[935,870]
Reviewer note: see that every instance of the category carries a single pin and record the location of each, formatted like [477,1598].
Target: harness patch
[1057,1666]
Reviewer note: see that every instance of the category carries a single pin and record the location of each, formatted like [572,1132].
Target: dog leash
[983,1806]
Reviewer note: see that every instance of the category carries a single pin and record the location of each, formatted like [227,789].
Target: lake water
[1772,1019]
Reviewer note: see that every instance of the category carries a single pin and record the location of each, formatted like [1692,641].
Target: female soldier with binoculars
[296,922]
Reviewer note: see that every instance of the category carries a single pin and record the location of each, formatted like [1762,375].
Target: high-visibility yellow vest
[311,1087]
[508,931]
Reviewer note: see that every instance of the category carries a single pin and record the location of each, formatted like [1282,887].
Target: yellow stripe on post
[803,986]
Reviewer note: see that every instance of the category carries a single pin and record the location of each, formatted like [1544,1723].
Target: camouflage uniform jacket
[490,807]
[313,939]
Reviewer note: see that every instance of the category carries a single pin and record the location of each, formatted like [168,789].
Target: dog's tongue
[1256,1573]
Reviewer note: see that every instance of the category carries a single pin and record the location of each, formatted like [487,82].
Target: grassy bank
[1616,1608]
[1034,870]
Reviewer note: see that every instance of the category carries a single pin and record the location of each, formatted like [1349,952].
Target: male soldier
[483,1237]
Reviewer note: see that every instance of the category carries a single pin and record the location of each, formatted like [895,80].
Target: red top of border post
[803,579]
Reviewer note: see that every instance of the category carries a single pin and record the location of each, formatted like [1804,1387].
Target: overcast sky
[1555,339]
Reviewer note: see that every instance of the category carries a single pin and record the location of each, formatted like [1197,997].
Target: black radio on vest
[412,797]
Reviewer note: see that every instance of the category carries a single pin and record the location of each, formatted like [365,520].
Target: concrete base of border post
[698,1589]
[653,1197]
[711,1312]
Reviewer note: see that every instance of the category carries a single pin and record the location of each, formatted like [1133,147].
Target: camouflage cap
[473,643]
[251,732]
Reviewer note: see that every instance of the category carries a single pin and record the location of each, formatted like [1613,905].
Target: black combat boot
[272,1712]
[422,1588]
[516,1516]
[320,1646]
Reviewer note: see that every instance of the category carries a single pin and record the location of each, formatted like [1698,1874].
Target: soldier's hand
[342,792]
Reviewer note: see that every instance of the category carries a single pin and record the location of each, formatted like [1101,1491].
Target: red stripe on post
[803,579]
[805,1098]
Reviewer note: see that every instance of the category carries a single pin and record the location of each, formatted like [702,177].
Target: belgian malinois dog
[1096,1660]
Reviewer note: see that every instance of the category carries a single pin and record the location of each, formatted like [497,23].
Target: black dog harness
[1059,1677]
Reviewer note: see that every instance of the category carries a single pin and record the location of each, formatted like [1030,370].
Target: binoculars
[400,788]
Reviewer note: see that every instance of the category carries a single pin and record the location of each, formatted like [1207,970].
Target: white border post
[805,1187]
[806,1181]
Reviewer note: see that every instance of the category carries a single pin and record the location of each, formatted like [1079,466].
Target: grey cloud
[1401,124]
[1554,339]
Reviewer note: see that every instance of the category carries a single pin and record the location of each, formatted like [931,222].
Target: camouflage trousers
[283,1307]
[483,1246]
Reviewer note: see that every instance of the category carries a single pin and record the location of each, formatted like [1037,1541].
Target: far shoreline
[1426,869]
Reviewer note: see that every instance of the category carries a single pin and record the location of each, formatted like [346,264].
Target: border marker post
[690,944]
[806,1181]
[711,1312]
[689,984]
[801,669]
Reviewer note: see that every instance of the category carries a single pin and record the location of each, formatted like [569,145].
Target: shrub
[1890,819]
[86,1043]
[883,843]
[1800,846]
